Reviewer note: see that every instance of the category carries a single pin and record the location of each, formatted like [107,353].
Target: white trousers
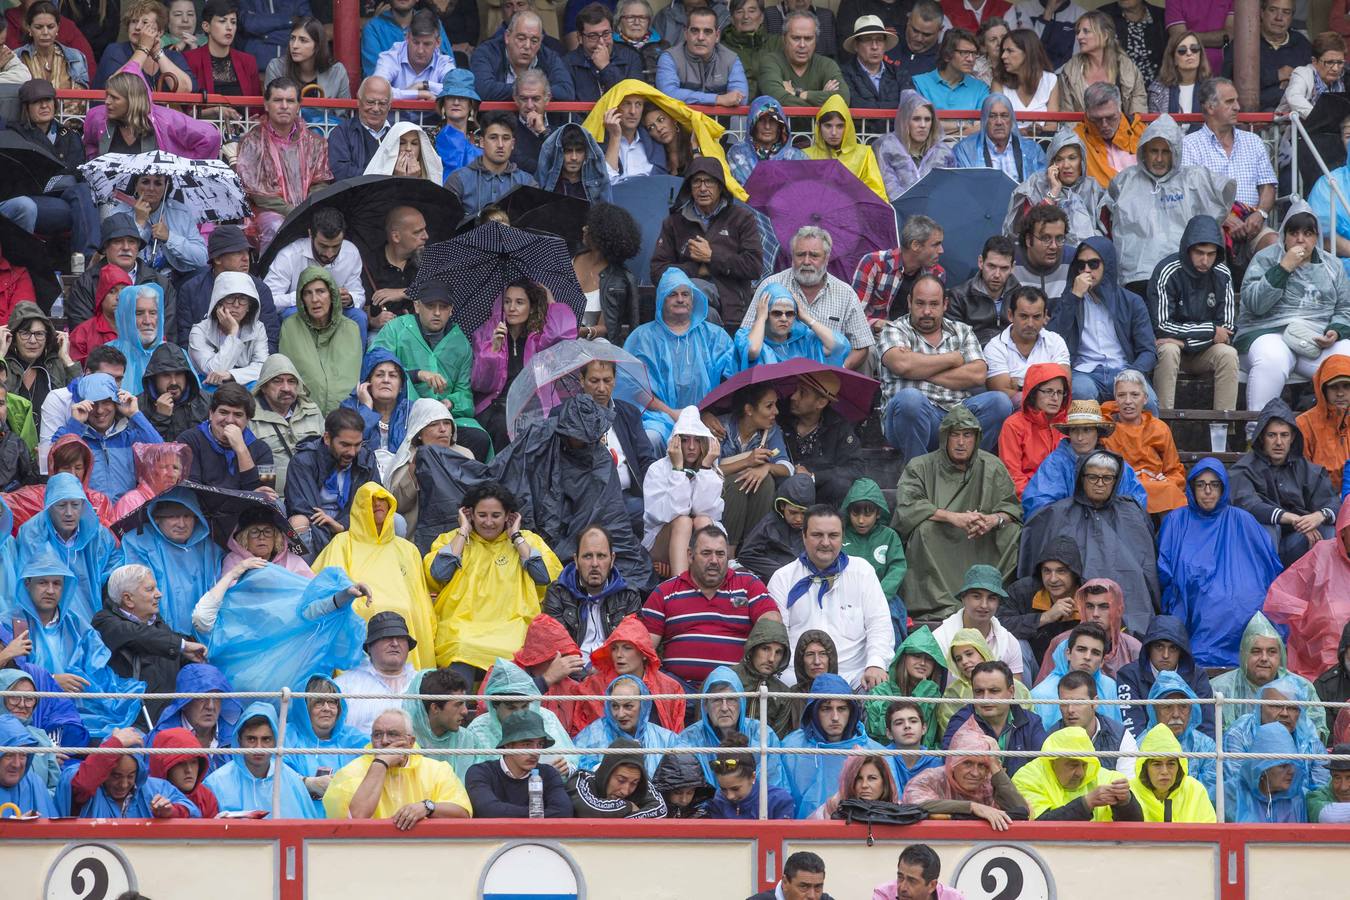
[1270,362]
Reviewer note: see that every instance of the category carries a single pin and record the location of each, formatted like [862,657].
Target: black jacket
[1333,685]
[1135,679]
[1016,612]
[971,304]
[1186,304]
[619,305]
[194,298]
[565,606]
[495,795]
[68,146]
[80,298]
[309,469]
[865,94]
[1155,36]
[210,466]
[633,439]
[1297,51]
[837,460]
[17,467]
[681,770]
[350,148]
[587,789]
[1267,490]
[149,653]
[771,543]
[590,82]
[190,411]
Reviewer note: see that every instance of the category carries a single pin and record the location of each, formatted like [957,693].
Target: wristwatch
[430,807]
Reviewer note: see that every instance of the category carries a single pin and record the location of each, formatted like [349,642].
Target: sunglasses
[1093,264]
[1189,50]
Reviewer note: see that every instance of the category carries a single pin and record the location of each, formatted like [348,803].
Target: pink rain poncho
[1312,597]
[158,468]
[940,783]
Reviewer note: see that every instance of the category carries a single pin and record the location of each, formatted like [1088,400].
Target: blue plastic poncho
[55,716]
[183,571]
[977,151]
[91,554]
[455,149]
[300,733]
[1058,474]
[202,678]
[129,339]
[1192,740]
[1236,686]
[398,419]
[682,368]
[801,342]
[275,627]
[137,806]
[9,551]
[30,794]
[461,738]
[239,790]
[1246,802]
[69,646]
[704,734]
[1048,689]
[604,731]
[1214,569]
[1239,737]
[1319,202]
[509,679]
[744,155]
[44,765]
[814,779]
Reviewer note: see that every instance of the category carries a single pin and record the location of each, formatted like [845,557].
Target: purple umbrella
[856,391]
[824,193]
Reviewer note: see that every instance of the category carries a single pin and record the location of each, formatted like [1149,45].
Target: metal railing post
[764,750]
[1295,182]
[1218,761]
[277,760]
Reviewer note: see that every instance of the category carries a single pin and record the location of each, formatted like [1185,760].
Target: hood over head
[1163,128]
[970,737]
[920,642]
[1170,684]
[629,630]
[544,637]
[834,104]
[1216,468]
[773,631]
[308,277]
[1201,229]
[278,364]
[1113,594]
[184,497]
[229,284]
[959,418]
[176,738]
[1296,206]
[682,770]
[611,761]
[795,490]
[865,490]
[671,279]
[1038,375]
[690,423]
[582,419]
[109,277]
[1271,738]
[1063,549]
[966,637]
[168,358]
[363,527]
[161,466]
[829,683]
[990,101]
[910,101]
[67,440]
[702,165]
[1333,367]
[1169,628]
[1277,409]
[1160,739]
[722,675]
[1110,263]
[804,640]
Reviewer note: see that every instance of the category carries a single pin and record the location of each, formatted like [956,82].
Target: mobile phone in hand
[20,626]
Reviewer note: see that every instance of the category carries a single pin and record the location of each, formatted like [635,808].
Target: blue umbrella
[648,198]
[969,204]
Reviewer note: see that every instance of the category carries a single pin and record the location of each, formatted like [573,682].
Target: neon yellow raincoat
[706,132]
[483,611]
[1188,801]
[856,156]
[389,565]
[1042,790]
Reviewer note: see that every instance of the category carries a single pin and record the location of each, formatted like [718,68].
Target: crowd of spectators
[395,530]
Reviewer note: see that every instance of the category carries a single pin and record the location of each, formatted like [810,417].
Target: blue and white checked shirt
[1249,164]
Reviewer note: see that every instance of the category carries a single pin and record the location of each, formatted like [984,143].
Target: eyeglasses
[257,534]
[37,335]
[782,314]
[326,701]
[1099,479]
[1188,50]
[1207,485]
[1052,240]
[388,735]
[375,104]
[598,36]
[1053,393]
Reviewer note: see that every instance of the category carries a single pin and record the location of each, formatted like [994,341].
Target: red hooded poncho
[96,330]
[1312,597]
[1028,436]
[1124,647]
[30,500]
[669,713]
[160,764]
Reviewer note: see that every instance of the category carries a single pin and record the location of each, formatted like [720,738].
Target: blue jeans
[910,420]
[22,211]
[70,208]
[1100,385]
[356,314]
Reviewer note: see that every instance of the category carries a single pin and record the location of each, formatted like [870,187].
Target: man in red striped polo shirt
[699,620]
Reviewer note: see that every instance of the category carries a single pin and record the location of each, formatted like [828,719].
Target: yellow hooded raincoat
[1038,784]
[856,156]
[958,686]
[483,611]
[389,565]
[1188,801]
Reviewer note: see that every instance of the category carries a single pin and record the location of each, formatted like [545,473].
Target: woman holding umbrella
[524,320]
[324,345]
[753,454]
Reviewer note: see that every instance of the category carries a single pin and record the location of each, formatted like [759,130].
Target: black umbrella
[222,508]
[1323,125]
[535,209]
[364,201]
[40,259]
[25,168]
[478,265]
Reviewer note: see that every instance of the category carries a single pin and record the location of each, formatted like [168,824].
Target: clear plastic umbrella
[554,374]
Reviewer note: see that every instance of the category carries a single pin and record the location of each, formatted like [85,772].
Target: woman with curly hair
[609,239]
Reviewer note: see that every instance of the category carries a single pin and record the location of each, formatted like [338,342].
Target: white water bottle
[536,795]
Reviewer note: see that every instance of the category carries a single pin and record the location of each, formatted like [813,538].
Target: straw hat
[1084,414]
[868,25]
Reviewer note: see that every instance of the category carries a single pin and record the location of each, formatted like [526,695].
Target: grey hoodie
[1149,213]
[1317,292]
[284,433]
[1082,203]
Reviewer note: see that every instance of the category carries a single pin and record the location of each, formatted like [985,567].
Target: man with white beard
[830,300]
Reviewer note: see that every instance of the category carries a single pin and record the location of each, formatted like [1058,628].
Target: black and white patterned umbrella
[478,265]
[208,187]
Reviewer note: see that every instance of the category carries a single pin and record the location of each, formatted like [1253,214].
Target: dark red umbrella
[854,401]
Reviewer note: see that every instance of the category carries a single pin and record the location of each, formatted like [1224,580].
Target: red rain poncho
[158,468]
[1312,597]
[1124,647]
[670,713]
[31,499]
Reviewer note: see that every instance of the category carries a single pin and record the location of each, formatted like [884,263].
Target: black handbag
[879,812]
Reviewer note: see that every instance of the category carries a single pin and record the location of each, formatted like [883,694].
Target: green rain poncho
[451,358]
[328,357]
[1235,685]
[920,642]
[881,546]
[459,739]
[938,554]
[509,679]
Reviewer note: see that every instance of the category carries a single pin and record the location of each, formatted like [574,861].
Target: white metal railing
[1337,198]
[763,751]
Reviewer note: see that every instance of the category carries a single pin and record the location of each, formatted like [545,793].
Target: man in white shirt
[1022,344]
[629,150]
[326,246]
[979,598]
[828,590]
[385,671]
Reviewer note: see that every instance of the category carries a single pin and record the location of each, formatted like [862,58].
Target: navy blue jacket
[194,301]
[1295,52]
[495,795]
[350,147]
[117,55]
[209,465]
[1135,680]
[489,67]
[305,476]
[588,82]
[1025,731]
[864,94]
[780,805]
[1129,314]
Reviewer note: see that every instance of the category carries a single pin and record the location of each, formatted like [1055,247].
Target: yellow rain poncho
[1042,790]
[483,611]
[1188,801]
[958,686]
[389,565]
[856,156]
[420,778]
[706,132]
